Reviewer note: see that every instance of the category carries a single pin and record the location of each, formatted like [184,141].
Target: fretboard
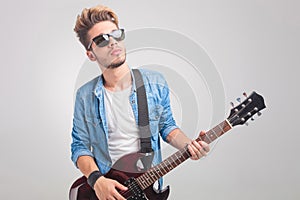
[154,173]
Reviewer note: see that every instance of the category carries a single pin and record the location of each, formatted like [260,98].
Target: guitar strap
[143,115]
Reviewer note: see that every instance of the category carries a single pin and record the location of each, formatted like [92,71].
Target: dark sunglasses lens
[101,40]
[118,35]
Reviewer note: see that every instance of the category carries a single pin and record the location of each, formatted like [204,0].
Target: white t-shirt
[123,136]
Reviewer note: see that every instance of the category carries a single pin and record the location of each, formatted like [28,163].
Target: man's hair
[91,16]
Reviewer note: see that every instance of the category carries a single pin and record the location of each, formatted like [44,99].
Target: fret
[181,157]
[209,140]
[212,135]
[224,126]
[219,129]
[173,161]
[163,167]
[166,165]
[149,179]
[215,132]
[146,183]
[218,132]
[158,171]
[169,166]
[142,182]
[152,175]
[185,153]
[178,158]
[204,138]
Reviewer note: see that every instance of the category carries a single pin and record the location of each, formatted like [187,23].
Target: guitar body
[124,171]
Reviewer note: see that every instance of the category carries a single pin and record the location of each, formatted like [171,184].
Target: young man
[105,115]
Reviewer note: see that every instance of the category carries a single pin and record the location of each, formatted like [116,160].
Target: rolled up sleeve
[167,122]
[80,145]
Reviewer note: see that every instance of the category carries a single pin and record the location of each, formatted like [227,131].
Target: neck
[117,79]
[154,173]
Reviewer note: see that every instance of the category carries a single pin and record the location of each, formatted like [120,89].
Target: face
[110,56]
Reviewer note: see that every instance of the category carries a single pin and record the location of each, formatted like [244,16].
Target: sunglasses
[102,40]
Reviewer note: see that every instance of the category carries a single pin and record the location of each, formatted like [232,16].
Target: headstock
[246,109]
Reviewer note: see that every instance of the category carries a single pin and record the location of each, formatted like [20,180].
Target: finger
[192,152]
[196,145]
[199,149]
[120,186]
[203,152]
[202,133]
[205,146]
[118,196]
[195,153]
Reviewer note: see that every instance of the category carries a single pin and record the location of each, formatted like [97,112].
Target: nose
[112,41]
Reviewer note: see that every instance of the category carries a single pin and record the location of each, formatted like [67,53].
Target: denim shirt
[90,129]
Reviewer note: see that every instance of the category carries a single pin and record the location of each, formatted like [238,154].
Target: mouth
[116,52]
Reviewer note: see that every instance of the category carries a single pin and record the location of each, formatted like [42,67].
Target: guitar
[140,182]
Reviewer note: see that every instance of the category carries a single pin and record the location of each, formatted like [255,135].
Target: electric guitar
[140,181]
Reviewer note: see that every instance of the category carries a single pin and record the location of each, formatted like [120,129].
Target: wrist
[93,177]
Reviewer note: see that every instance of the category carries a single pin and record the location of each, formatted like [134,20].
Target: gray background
[254,45]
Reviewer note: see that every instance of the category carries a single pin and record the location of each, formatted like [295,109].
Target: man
[105,114]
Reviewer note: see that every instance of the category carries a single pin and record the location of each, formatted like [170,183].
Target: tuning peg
[252,118]
[259,113]
[232,104]
[246,124]
[238,99]
[245,95]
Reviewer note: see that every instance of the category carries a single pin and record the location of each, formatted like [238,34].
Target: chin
[117,63]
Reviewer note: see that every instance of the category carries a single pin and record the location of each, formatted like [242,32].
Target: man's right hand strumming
[106,188]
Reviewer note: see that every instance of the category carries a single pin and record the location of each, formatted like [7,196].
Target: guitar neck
[156,172]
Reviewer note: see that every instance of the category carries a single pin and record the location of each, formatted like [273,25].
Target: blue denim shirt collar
[98,91]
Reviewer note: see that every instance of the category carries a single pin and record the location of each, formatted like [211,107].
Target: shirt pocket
[93,129]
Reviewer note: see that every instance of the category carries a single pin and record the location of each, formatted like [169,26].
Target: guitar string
[125,193]
[134,185]
[131,186]
[216,141]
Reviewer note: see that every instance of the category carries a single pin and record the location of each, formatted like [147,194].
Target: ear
[91,55]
